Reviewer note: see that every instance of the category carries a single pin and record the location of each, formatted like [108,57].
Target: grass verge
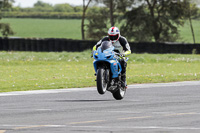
[70,28]
[45,28]
[21,71]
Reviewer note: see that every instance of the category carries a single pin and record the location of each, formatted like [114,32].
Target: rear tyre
[101,81]
[119,94]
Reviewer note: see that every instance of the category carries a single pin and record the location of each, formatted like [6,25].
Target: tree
[192,10]
[156,20]
[63,8]
[116,6]
[42,6]
[100,20]
[78,9]
[111,5]
[85,6]
[5,28]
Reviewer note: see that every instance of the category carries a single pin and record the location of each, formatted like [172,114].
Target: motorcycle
[108,70]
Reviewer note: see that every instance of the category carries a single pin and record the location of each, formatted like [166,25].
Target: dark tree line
[138,20]
[111,14]
[142,20]
[158,20]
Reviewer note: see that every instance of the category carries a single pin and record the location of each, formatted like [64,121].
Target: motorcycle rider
[121,45]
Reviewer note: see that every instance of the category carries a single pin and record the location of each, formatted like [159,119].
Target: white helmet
[113,34]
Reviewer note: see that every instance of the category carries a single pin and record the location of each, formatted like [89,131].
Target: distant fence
[59,45]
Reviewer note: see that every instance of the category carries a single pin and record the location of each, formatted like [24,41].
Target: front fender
[115,66]
[97,63]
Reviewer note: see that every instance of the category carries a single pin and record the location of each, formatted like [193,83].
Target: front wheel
[101,81]
[119,94]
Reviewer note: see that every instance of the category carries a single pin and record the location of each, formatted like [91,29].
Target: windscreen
[105,45]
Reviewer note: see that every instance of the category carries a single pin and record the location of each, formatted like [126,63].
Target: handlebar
[122,56]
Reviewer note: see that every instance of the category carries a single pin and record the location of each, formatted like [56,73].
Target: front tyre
[101,81]
[119,94]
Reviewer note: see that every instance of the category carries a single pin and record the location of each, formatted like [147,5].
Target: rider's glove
[127,53]
[94,49]
[92,54]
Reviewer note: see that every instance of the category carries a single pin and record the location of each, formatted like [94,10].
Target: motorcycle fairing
[107,55]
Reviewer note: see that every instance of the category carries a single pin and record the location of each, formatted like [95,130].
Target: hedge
[58,45]
[52,15]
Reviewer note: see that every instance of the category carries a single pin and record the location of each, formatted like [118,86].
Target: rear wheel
[101,81]
[119,94]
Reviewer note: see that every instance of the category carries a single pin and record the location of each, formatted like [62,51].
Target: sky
[29,3]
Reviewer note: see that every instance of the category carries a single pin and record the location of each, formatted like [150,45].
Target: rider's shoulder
[106,38]
[123,40]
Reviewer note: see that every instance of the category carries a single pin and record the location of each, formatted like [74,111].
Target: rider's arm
[99,43]
[125,45]
[95,47]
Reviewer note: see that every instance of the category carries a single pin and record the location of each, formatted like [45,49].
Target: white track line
[138,127]
[17,93]
[184,83]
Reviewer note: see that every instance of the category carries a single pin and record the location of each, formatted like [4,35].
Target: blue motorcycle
[108,70]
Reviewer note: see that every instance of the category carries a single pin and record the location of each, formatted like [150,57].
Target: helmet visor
[113,37]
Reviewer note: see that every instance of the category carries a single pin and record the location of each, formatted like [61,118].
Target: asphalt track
[146,108]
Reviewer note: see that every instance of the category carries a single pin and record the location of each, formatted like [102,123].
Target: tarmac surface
[146,108]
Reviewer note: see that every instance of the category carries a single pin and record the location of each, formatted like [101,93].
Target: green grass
[186,34]
[71,29]
[46,28]
[35,71]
